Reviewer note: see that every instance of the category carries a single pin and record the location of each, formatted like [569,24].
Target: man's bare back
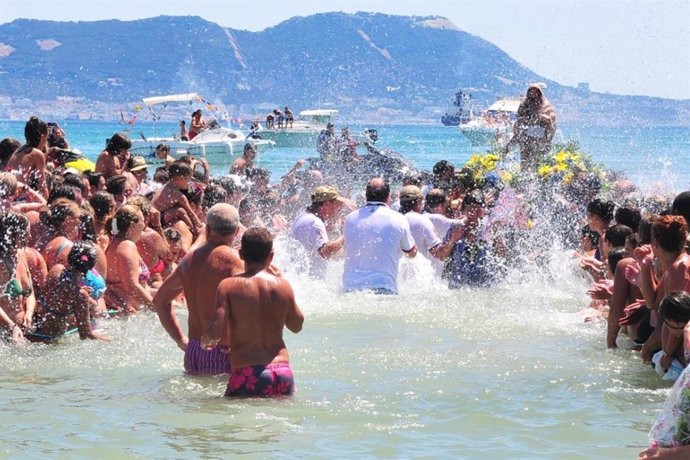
[258,307]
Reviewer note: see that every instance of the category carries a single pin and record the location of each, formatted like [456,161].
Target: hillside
[367,65]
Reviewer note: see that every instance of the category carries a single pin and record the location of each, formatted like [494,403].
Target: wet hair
[8,185]
[14,227]
[629,216]
[82,257]
[670,233]
[615,255]
[616,234]
[122,220]
[142,203]
[213,194]
[102,203]
[412,179]
[94,178]
[7,147]
[179,169]
[258,173]
[633,240]
[681,206]
[161,175]
[63,191]
[172,234]
[257,245]
[434,198]
[603,209]
[441,167]
[229,185]
[88,231]
[408,205]
[645,229]
[163,146]
[474,197]
[117,143]
[592,235]
[74,180]
[58,211]
[676,307]
[378,193]
[116,184]
[186,159]
[33,130]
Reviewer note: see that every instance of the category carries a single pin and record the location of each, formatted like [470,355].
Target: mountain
[367,65]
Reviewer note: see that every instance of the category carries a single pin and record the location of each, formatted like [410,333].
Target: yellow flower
[544,170]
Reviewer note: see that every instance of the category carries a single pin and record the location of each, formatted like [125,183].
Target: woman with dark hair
[69,297]
[114,158]
[17,299]
[127,276]
[30,159]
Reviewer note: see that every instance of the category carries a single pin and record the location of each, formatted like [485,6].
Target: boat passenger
[197,125]
[184,136]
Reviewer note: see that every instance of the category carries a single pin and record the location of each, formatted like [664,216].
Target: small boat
[220,144]
[493,125]
[303,132]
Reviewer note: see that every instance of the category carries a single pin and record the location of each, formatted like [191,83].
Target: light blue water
[510,372]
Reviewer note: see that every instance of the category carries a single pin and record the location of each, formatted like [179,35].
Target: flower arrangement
[479,166]
[566,165]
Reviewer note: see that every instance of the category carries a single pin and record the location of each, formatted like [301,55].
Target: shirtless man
[257,305]
[245,162]
[198,276]
[113,159]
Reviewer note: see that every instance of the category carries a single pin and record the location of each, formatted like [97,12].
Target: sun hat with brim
[138,163]
[325,193]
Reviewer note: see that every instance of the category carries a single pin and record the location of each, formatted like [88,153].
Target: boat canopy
[318,113]
[150,101]
[505,105]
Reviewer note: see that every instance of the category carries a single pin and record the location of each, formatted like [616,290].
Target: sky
[639,47]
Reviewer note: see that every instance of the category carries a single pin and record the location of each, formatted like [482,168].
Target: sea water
[507,372]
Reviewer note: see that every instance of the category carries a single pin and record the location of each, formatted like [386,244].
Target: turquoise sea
[502,373]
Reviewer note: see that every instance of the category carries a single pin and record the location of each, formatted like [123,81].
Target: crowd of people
[77,248]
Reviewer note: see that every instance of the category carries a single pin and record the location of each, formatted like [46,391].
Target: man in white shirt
[428,243]
[375,238]
[310,229]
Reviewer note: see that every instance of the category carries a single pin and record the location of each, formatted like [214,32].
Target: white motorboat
[303,132]
[493,125]
[218,143]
